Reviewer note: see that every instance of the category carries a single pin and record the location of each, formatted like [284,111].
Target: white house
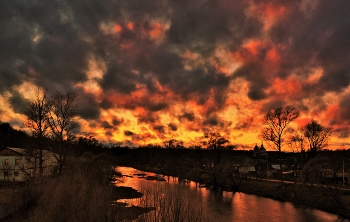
[247,166]
[17,164]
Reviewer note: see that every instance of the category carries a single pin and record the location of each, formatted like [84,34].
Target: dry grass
[8,193]
[82,193]
[172,203]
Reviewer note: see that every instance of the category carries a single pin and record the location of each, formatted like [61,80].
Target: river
[208,205]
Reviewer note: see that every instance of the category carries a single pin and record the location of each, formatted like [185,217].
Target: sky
[150,71]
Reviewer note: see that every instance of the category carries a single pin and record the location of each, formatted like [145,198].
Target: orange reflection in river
[219,206]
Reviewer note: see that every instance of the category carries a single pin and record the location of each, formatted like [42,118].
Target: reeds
[82,193]
[172,202]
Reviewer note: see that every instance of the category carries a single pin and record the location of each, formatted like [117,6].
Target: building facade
[18,164]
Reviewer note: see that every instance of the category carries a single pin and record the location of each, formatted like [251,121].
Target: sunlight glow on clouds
[147,71]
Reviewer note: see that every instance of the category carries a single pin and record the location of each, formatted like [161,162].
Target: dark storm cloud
[244,124]
[109,133]
[47,48]
[345,108]
[172,126]
[139,137]
[157,106]
[18,102]
[317,37]
[88,106]
[343,132]
[211,121]
[88,112]
[188,115]
[148,104]
[128,133]
[50,43]
[117,122]
[147,118]
[199,83]
[149,59]
[272,105]
[159,128]
[199,25]
[53,47]
[253,72]
[120,78]
[256,93]
[9,78]
[334,53]
[106,125]
[92,124]
[106,104]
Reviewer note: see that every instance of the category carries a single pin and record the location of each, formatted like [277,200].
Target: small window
[15,173]
[17,162]
[6,173]
[6,162]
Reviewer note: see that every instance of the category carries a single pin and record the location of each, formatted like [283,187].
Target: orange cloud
[272,56]
[189,55]
[117,28]
[130,25]
[302,121]
[267,13]
[157,31]
[253,46]
[289,87]
[332,113]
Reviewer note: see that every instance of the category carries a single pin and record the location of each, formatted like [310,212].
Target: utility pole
[343,173]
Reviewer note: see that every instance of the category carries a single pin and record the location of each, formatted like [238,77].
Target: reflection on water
[219,206]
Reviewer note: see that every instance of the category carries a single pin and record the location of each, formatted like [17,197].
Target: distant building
[261,161]
[296,168]
[17,164]
[247,166]
[260,154]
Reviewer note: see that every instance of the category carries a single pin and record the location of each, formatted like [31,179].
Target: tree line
[53,126]
[276,130]
[52,117]
[52,121]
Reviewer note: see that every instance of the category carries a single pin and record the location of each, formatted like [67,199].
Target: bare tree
[277,121]
[173,144]
[214,141]
[297,145]
[37,111]
[296,142]
[63,124]
[317,135]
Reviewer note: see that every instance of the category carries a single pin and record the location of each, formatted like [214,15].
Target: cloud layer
[147,71]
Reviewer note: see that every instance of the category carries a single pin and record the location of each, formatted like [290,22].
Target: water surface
[227,206]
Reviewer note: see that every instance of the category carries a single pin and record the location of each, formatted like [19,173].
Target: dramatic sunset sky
[148,71]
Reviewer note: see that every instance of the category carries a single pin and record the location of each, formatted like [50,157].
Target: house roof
[247,162]
[296,167]
[18,150]
[265,166]
[12,151]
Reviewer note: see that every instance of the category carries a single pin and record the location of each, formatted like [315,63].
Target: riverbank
[323,198]
[83,193]
[329,199]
